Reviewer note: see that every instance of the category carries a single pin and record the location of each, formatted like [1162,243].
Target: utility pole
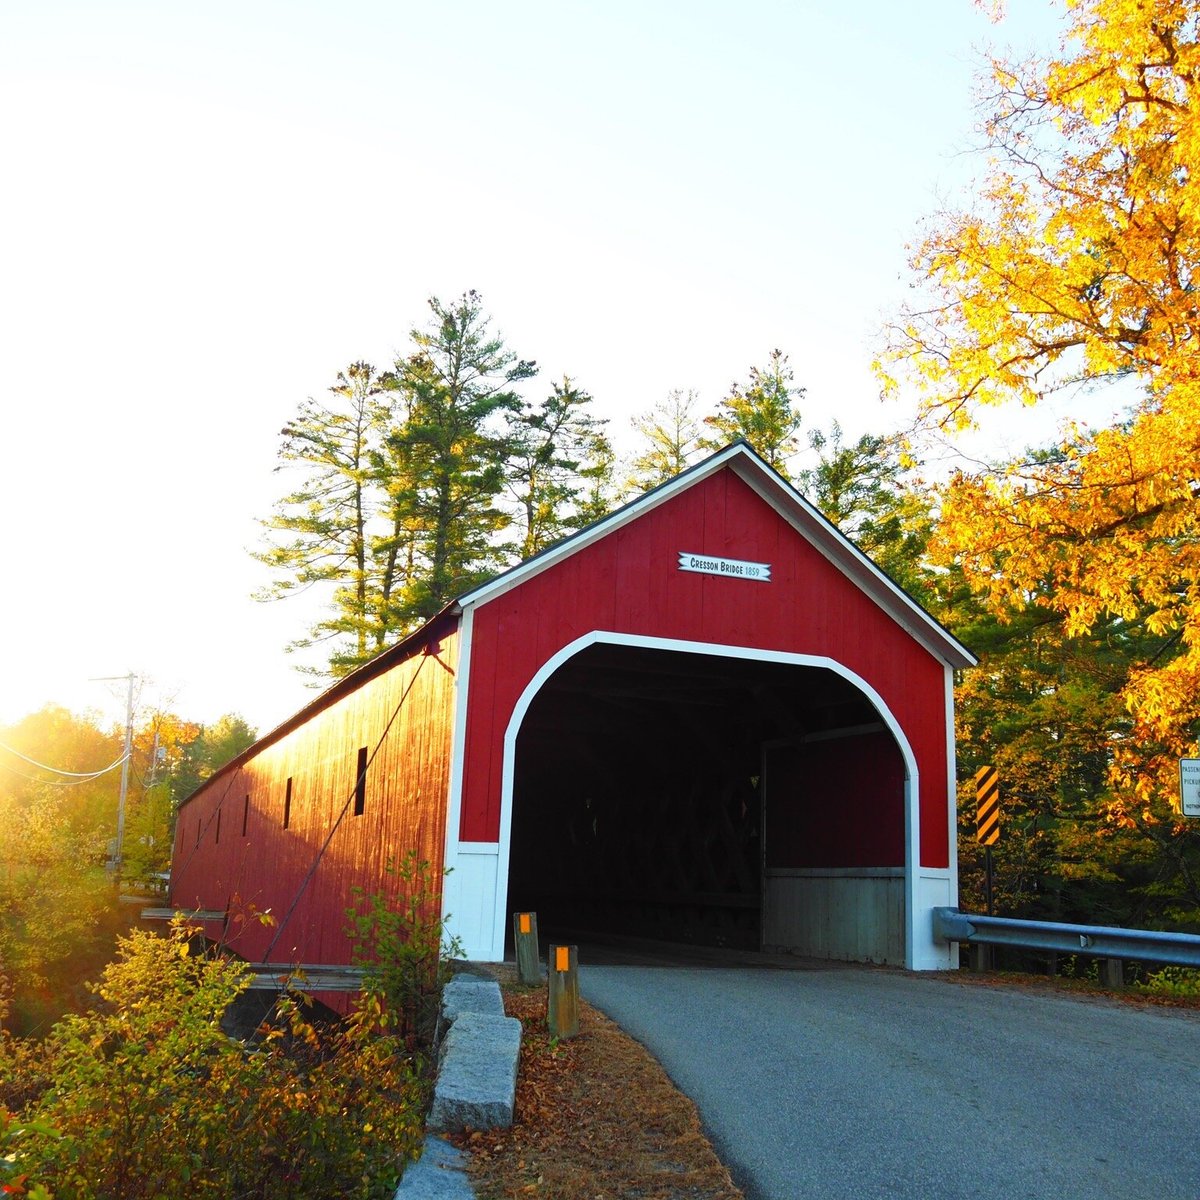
[130,679]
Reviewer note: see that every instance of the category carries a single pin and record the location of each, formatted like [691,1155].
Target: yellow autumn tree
[1078,264]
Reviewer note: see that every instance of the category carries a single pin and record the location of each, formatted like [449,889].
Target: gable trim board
[819,532]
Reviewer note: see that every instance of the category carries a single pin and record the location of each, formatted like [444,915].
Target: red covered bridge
[708,717]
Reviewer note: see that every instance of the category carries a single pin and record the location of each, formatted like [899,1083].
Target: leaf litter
[596,1118]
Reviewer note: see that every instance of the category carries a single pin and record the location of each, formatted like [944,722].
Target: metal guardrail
[1101,941]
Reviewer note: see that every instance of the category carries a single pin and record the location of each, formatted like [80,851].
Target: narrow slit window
[245,813]
[360,783]
[287,804]
[217,835]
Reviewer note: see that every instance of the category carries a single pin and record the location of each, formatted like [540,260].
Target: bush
[402,949]
[14,1181]
[59,913]
[1183,982]
[147,1098]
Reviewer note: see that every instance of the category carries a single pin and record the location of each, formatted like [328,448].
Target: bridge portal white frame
[476,890]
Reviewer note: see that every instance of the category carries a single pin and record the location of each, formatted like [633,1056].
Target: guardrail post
[1112,973]
[979,956]
[525,939]
[562,980]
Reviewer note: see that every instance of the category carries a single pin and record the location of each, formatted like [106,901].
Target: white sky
[208,210]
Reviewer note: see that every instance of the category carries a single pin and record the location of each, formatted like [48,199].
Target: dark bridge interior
[638,797]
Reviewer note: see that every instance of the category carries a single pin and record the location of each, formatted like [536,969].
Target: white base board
[850,914]
[469,900]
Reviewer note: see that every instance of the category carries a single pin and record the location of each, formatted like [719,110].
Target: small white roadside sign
[1189,786]
[731,568]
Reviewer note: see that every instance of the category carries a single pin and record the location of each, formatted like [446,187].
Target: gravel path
[848,1082]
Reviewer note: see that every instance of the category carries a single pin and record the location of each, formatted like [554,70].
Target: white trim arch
[483,877]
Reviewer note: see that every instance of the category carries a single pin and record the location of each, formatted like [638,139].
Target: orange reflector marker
[525,942]
[562,991]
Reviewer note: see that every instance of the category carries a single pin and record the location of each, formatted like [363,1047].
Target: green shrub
[1174,981]
[402,949]
[13,1180]
[146,1098]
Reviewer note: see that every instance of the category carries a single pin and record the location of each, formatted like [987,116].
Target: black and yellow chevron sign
[987,815]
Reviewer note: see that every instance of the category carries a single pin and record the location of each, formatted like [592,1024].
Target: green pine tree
[458,384]
[670,435]
[548,451]
[763,412]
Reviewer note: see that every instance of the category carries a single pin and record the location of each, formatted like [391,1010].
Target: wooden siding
[836,803]
[629,582]
[853,916]
[407,788]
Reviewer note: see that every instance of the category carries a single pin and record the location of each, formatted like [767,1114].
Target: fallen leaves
[596,1119]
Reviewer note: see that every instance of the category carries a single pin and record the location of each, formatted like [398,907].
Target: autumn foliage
[146,1096]
[1077,265]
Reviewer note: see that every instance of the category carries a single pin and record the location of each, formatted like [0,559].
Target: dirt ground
[596,1119]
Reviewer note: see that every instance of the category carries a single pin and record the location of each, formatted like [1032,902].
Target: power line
[59,783]
[81,775]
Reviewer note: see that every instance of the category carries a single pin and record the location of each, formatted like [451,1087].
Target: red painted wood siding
[406,796]
[836,804]
[629,582]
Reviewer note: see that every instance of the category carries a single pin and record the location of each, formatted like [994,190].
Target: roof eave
[854,563]
[335,691]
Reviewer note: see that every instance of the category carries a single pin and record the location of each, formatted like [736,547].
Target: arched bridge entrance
[711,799]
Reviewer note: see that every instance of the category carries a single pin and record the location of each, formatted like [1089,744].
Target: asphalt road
[856,1082]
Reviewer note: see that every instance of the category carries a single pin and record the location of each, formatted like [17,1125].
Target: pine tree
[458,384]
[325,521]
[670,435]
[763,412]
[866,491]
[548,447]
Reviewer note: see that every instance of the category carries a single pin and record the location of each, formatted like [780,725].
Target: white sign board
[732,568]
[1189,786]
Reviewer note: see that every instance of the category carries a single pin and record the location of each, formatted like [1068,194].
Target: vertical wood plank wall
[850,914]
[405,809]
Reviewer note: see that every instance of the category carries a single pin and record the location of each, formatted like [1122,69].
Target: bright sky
[210,209]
